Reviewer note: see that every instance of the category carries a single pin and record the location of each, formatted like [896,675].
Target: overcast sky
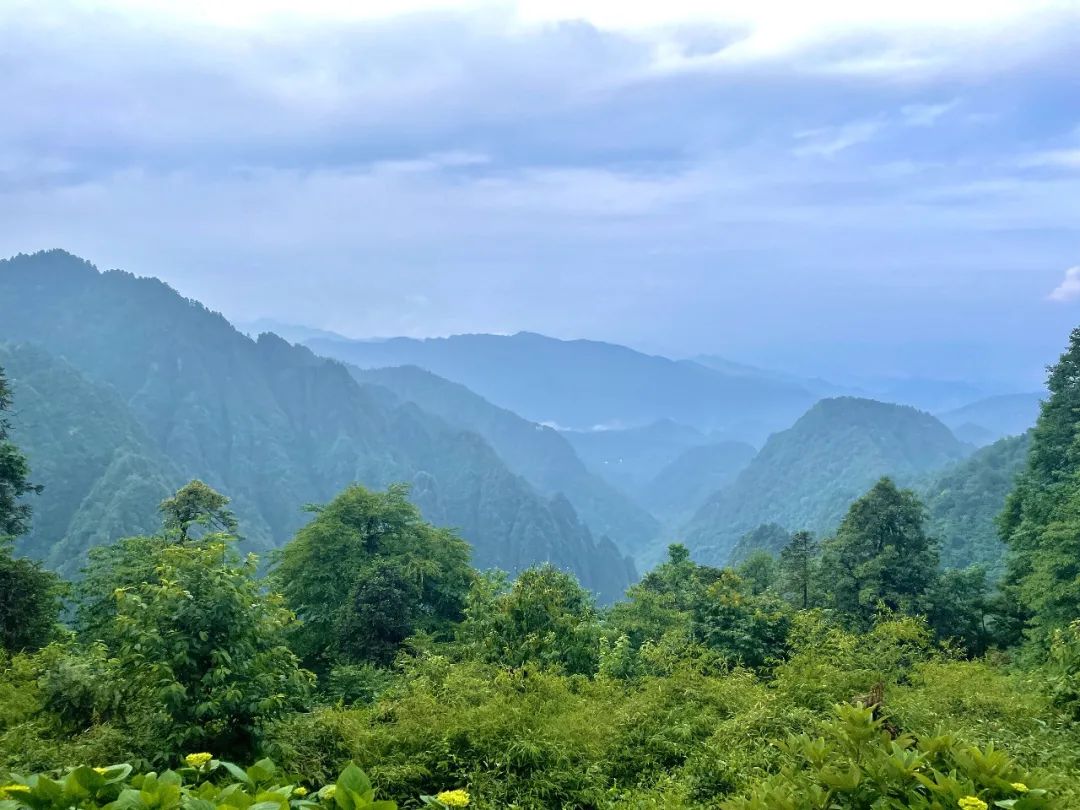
[833,187]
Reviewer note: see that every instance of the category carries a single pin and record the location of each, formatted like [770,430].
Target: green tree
[663,601]
[368,572]
[203,648]
[29,595]
[131,561]
[797,568]
[30,601]
[758,570]
[196,505]
[1041,519]
[746,628]
[881,555]
[959,607]
[545,618]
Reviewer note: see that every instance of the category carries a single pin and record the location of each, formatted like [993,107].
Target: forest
[368,663]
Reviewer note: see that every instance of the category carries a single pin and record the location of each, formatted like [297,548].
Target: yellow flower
[972,803]
[8,790]
[454,798]
[327,793]
[1019,787]
[197,760]
[101,770]
[300,791]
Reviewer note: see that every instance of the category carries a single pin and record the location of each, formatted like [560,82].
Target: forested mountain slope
[687,481]
[274,426]
[105,475]
[582,383]
[538,453]
[964,500]
[807,476]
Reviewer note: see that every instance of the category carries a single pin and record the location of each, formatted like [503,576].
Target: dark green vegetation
[145,389]
[533,375]
[1041,521]
[806,477]
[964,500]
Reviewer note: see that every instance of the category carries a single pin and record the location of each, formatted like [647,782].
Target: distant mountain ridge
[272,425]
[582,384]
[538,453]
[996,417]
[807,476]
[631,457]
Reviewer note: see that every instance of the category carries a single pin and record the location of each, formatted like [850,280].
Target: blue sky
[836,188]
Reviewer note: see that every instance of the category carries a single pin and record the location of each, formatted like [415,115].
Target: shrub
[857,763]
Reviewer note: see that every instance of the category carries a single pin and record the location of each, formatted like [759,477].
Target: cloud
[1059,158]
[1069,288]
[924,115]
[828,141]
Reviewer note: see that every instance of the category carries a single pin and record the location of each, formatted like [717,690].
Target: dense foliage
[1041,521]
[964,500]
[366,574]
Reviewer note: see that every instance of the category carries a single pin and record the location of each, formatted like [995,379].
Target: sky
[839,188]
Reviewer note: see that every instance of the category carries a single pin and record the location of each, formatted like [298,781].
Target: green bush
[857,763]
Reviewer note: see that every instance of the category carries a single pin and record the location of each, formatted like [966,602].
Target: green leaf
[354,779]
[236,771]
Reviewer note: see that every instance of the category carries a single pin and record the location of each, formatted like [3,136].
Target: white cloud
[1058,158]
[829,141]
[1069,288]
[924,115]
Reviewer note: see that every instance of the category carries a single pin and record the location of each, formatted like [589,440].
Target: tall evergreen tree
[881,555]
[797,562]
[1041,520]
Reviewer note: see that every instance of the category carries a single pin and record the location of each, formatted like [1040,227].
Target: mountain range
[584,385]
[268,423]
[581,453]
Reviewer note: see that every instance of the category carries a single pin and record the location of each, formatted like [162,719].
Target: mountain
[584,384]
[807,476]
[993,418]
[104,473]
[815,385]
[272,425]
[688,480]
[539,454]
[963,501]
[294,333]
[925,393]
[631,457]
